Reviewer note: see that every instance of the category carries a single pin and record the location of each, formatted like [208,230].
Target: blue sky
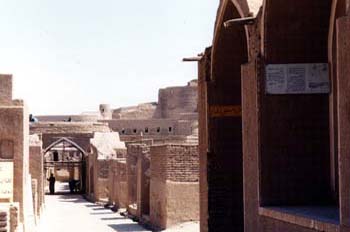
[69,56]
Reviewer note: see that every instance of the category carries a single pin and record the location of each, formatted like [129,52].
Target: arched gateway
[66,160]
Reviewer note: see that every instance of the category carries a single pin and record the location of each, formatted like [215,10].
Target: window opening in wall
[123,131]
[146,130]
[6,149]
[135,130]
[170,129]
[55,156]
[158,129]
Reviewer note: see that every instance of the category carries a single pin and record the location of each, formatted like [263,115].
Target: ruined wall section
[65,118]
[141,111]
[177,102]
[67,127]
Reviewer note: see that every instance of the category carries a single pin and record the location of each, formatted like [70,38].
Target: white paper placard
[6,180]
[297,78]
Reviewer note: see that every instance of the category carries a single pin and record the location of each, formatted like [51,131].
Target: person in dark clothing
[52,181]
[71,185]
[32,118]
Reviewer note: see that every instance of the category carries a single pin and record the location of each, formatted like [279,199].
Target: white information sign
[6,180]
[297,78]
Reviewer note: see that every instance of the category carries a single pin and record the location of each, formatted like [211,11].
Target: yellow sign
[225,111]
[6,181]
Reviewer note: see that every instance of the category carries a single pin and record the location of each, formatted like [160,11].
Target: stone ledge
[293,218]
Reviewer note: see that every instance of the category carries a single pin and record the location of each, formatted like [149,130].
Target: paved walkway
[72,213]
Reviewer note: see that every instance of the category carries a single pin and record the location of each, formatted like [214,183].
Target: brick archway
[63,139]
[224,164]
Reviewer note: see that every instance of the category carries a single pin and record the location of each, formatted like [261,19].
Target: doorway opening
[64,168]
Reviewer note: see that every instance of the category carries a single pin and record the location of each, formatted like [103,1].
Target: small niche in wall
[135,130]
[6,149]
[146,130]
[170,129]
[123,131]
[158,129]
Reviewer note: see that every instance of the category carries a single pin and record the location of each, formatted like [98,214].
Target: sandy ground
[72,213]
[185,227]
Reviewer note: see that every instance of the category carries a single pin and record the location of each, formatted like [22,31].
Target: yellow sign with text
[225,111]
[6,181]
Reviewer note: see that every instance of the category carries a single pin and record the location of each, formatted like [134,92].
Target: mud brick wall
[131,162]
[121,153]
[174,184]
[68,128]
[101,179]
[179,163]
[111,181]
[36,169]
[15,131]
[5,90]
[117,182]
[36,207]
[183,164]
[98,173]
[138,164]
[91,166]
[203,75]
[103,169]
[121,184]
[142,111]
[152,127]
[143,181]
[175,101]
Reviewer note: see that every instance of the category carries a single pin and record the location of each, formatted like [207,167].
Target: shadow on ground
[73,198]
[126,227]
[106,216]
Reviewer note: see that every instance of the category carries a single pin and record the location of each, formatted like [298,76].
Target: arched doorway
[289,161]
[225,156]
[295,129]
[66,161]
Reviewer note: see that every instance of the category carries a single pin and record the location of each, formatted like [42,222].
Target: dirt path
[72,213]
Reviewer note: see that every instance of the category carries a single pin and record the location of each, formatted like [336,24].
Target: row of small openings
[170,129]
